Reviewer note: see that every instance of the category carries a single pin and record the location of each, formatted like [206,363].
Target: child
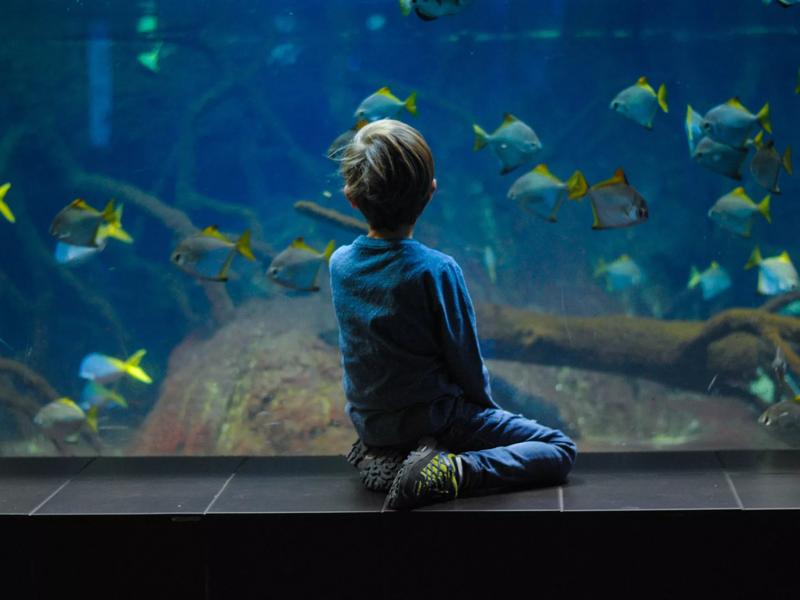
[413,371]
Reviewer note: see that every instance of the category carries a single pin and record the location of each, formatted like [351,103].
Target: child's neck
[403,232]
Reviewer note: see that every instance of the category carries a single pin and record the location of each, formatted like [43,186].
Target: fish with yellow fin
[615,203]
[620,274]
[542,193]
[513,142]
[767,163]
[776,274]
[208,254]
[79,224]
[713,281]
[107,369]
[96,394]
[640,102]
[297,267]
[734,211]
[694,133]
[720,158]
[62,420]
[4,209]
[383,104]
[732,124]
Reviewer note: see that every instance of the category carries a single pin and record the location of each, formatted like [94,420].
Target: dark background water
[260,146]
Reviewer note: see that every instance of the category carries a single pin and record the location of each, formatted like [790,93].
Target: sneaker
[377,466]
[428,475]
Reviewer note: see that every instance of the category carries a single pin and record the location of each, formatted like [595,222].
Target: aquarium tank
[615,179]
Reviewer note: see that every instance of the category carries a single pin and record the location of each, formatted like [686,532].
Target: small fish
[720,158]
[767,163]
[430,10]
[513,142]
[383,104]
[713,281]
[208,254]
[74,255]
[96,394]
[62,420]
[337,147]
[107,369]
[734,211]
[616,204]
[149,59]
[4,209]
[694,133]
[775,274]
[732,124]
[542,193]
[782,420]
[147,25]
[79,224]
[490,262]
[640,102]
[620,274]
[297,266]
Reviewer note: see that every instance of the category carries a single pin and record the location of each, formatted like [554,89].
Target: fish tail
[662,97]
[763,208]
[326,254]
[132,368]
[4,209]
[481,137]
[600,268]
[577,186]
[787,160]
[223,272]
[91,418]
[243,245]
[754,260]
[118,399]
[113,227]
[763,118]
[411,103]
[405,7]
[694,278]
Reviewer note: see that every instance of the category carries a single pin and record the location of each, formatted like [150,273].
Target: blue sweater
[408,340]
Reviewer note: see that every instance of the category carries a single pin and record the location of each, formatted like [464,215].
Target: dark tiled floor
[676,481]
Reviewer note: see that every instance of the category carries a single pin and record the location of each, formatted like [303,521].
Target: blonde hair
[388,171]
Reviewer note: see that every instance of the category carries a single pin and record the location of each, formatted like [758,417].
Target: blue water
[261,146]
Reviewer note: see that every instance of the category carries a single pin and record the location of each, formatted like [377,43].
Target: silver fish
[620,274]
[513,142]
[720,158]
[542,193]
[734,211]
[383,104]
[767,164]
[62,420]
[640,102]
[297,266]
[694,133]
[208,254]
[732,124]
[713,281]
[615,203]
[776,274]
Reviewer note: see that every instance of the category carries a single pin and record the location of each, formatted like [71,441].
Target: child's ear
[433,186]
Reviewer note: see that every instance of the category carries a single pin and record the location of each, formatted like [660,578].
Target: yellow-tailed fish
[542,193]
[79,224]
[4,209]
[732,124]
[383,104]
[513,142]
[615,203]
[149,60]
[429,10]
[619,274]
[734,211]
[694,133]
[96,394]
[720,158]
[776,274]
[713,281]
[208,254]
[107,369]
[297,267]
[62,420]
[767,163]
[338,146]
[640,102]
[67,254]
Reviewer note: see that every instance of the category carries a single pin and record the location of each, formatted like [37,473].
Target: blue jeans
[501,449]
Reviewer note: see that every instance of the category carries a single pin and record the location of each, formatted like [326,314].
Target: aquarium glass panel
[614,180]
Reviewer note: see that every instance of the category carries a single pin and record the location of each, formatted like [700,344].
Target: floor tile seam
[734,491]
[61,487]
[225,485]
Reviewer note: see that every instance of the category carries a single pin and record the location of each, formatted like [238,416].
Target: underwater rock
[264,384]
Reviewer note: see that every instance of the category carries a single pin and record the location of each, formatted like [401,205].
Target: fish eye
[615,104]
[273,270]
[177,258]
